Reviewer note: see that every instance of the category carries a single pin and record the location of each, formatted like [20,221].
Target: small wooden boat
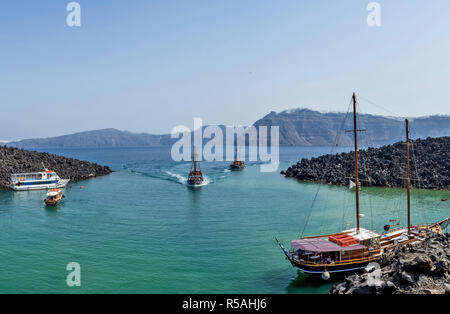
[195,177]
[53,197]
[237,164]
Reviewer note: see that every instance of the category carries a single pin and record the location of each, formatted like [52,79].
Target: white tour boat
[43,180]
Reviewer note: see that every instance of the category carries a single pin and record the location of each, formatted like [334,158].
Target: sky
[150,65]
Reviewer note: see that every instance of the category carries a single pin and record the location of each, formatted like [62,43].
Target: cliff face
[304,127]
[384,166]
[13,160]
[412,269]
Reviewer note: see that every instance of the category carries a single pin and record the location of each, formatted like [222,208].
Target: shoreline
[381,167]
[381,187]
[420,268]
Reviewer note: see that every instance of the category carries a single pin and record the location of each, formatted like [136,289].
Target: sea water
[142,230]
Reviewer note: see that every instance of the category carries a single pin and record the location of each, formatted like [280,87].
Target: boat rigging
[353,249]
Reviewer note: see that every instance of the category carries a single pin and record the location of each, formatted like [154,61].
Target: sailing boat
[353,249]
[237,164]
[195,177]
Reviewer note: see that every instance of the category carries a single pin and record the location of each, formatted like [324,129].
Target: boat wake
[175,173]
[183,180]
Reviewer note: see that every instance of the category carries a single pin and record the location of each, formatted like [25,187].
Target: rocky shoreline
[382,167]
[412,269]
[14,160]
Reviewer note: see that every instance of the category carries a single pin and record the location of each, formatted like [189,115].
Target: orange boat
[53,197]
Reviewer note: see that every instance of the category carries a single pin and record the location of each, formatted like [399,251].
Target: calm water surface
[141,229]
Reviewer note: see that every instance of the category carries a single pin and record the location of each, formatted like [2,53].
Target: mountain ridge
[298,127]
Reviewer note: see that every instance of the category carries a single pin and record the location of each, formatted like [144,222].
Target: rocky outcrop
[383,167]
[14,160]
[412,269]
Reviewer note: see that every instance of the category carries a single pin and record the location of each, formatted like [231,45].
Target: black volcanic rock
[421,268]
[383,167]
[14,160]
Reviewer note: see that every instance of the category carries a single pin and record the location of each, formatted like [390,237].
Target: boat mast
[408,176]
[195,162]
[355,131]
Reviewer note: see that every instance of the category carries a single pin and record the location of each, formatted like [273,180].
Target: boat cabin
[237,164]
[336,248]
[195,177]
[34,176]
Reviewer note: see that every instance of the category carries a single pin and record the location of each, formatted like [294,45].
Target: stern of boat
[63,183]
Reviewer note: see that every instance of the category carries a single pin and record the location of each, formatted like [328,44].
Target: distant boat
[237,164]
[195,177]
[354,249]
[43,180]
[53,197]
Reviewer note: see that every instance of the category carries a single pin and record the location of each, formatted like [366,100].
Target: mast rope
[336,142]
[369,142]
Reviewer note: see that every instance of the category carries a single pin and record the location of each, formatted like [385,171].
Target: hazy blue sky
[147,65]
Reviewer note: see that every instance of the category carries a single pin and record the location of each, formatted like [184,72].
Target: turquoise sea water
[142,230]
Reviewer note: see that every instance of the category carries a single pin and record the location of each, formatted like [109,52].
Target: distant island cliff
[298,127]
[383,167]
[96,138]
[304,127]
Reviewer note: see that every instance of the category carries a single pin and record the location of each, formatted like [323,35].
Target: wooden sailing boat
[237,164]
[353,249]
[195,177]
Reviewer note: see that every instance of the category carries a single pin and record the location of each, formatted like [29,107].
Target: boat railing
[26,176]
[421,225]
[324,236]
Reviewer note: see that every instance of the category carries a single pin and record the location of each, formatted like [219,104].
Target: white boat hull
[60,184]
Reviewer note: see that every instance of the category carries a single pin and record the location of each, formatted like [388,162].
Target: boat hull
[332,269]
[60,184]
[52,202]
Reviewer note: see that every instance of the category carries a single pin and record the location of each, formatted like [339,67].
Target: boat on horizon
[237,164]
[195,177]
[353,249]
[43,180]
